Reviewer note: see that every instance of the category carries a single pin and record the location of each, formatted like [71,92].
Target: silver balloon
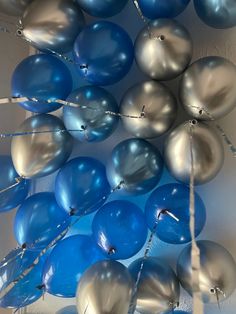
[207,148]
[137,164]
[106,287]
[53,24]
[160,109]
[163,49]
[13,7]
[217,273]
[38,155]
[208,88]
[158,288]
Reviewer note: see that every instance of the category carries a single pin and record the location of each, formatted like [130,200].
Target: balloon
[137,164]
[163,49]
[106,287]
[217,13]
[39,155]
[158,288]
[68,310]
[119,229]
[103,52]
[43,77]
[102,8]
[217,272]
[52,25]
[208,152]
[81,185]
[26,291]
[16,195]
[162,9]
[39,220]
[174,197]
[160,109]
[208,88]
[67,262]
[91,117]
[13,7]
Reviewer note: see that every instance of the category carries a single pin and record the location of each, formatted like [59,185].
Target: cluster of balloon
[14,7]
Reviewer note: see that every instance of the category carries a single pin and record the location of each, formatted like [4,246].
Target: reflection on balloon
[163,49]
[52,25]
[174,198]
[158,288]
[103,52]
[106,287]
[217,272]
[82,186]
[137,164]
[160,109]
[93,102]
[67,262]
[119,229]
[16,195]
[39,155]
[208,152]
[14,7]
[43,77]
[208,88]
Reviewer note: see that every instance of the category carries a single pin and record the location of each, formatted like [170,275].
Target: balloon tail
[86,309]
[121,115]
[136,4]
[167,212]
[18,181]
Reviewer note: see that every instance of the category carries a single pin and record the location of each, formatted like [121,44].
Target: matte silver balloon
[106,287]
[53,24]
[38,155]
[160,109]
[208,88]
[207,148]
[137,164]
[217,273]
[158,288]
[13,7]
[163,49]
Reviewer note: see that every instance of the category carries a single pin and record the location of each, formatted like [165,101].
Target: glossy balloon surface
[103,52]
[14,7]
[43,77]
[39,155]
[68,310]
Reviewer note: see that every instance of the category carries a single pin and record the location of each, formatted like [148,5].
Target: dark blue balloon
[178,312]
[26,291]
[82,186]
[174,197]
[44,77]
[39,220]
[16,195]
[104,53]
[120,230]
[67,262]
[217,13]
[102,8]
[154,9]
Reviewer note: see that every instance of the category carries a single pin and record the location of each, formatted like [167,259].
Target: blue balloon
[39,220]
[16,195]
[162,8]
[68,310]
[174,198]
[217,13]
[44,77]
[104,53]
[120,230]
[91,117]
[178,312]
[27,290]
[102,8]
[81,186]
[67,262]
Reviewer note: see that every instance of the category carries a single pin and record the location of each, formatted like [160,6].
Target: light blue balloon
[68,310]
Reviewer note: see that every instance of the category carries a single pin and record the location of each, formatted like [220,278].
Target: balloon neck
[24,246]
[167,212]
[41,287]
[72,211]
[19,32]
[111,251]
[83,67]
[193,122]
[161,38]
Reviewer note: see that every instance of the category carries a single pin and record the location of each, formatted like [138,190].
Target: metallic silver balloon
[53,24]
[160,109]
[13,7]
[106,287]
[137,164]
[163,49]
[207,148]
[217,273]
[208,88]
[38,155]
[158,288]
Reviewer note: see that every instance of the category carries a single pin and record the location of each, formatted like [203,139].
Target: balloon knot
[111,251]
[72,211]
[24,246]
[41,287]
